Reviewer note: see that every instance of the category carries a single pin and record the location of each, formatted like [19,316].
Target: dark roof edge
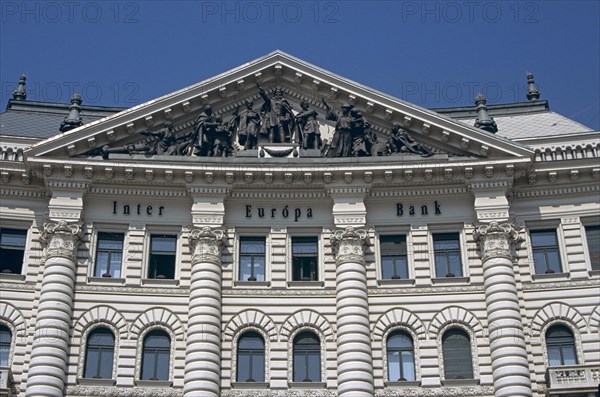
[14,104]
[496,110]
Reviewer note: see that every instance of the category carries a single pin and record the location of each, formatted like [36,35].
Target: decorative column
[354,359]
[510,367]
[202,377]
[48,365]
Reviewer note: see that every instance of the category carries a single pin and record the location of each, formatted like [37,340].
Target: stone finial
[20,94]
[484,120]
[73,120]
[533,93]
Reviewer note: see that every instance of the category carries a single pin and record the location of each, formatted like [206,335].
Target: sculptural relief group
[275,122]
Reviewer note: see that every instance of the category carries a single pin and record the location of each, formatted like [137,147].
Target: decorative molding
[278,393]
[455,315]
[306,318]
[278,194]
[109,391]
[102,314]
[445,191]
[250,317]
[127,191]
[395,318]
[61,239]
[205,245]
[464,391]
[36,194]
[157,316]
[348,245]
[129,290]
[563,284]
[558,191]
[496,239]
[557,311]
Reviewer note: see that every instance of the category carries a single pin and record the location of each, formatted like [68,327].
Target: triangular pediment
[299,81]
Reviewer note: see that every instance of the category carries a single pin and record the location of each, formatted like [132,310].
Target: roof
[34,119]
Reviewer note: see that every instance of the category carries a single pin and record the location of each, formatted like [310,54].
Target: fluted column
[48,365]
[510,367]
[354,358]
[203,351]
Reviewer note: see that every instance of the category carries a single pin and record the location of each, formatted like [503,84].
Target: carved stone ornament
[348,245]
[495,239]
[206,245]
[123,392]
[61,239]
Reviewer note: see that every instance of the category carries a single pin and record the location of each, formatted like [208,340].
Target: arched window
[456,346]
[307,358]
[561,346]
[99,354]
[156,356]
[5,342]
[400,357]
[251,358]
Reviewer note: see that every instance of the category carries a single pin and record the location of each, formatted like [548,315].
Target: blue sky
[431,53]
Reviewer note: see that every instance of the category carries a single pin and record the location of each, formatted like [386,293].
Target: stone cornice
[555,191]
[35,194]
[567,284]
[277,194]
[129,191]
[420,191]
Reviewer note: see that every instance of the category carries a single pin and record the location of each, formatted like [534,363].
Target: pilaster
[202,375]
[510,366]
[354,354]
[61,236]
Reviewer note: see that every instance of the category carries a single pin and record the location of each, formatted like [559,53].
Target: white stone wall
[422,308]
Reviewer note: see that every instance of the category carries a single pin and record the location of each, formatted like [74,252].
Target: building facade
[278,230]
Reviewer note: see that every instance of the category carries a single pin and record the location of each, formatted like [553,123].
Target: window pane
[444,241]
[101,263]
[162,365]
[243,367]
[546,255]
[393,366]
[157,339]
[539,260]
[12,250]
[251,340]
[91,363]
[543,238]
[554,358]
[252,245]
[569,355]
[447,255]
[148,365]
[455,265]
[252,258]
[593,242]
[106,361]
[115,264]
[408,366]
[304,246]
[164,243]
[314,366]
[258,366]
[392,245]
[456,348]
[299,367]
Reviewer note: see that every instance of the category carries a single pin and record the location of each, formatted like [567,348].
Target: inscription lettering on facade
[424,209]
[127,209]
[285,212]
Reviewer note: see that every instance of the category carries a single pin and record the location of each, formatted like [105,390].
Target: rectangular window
[305,258]
[546,255]
[12,250]
[163,249]
[109,255]
[592,234]
[394,263]
[446,247]
[252,259]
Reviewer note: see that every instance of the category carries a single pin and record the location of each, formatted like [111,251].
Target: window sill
[307,284]
[396,281]
[12,277]
[95,382]
[594,273]
[403,384]
[249,385]
[307,385]
[450,280]
[106,280]
[460,382]
[153,383]
[251,284]
[160,281]
[550,276]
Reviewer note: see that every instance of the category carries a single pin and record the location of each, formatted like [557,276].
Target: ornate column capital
[495,239]
[348,244]
[205,244]
[61,239]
